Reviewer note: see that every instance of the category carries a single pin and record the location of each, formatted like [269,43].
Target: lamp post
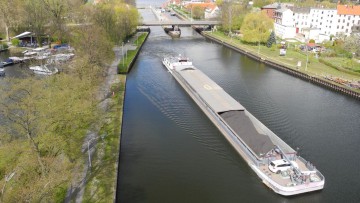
[307,56]
[122,52]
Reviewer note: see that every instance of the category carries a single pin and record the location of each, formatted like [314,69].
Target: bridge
[179,23]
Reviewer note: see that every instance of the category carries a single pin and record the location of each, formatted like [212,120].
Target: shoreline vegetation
[102,177]
[130,54]
[315,69]
[51,125]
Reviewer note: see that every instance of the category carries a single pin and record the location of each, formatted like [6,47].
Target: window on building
[339,21]
[342,27]
[347,24]
[337,27]
[346,30]
[349,18]
[344,21]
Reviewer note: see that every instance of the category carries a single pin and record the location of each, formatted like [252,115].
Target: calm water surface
[171,152]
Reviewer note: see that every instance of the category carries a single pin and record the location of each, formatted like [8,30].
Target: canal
[171,152]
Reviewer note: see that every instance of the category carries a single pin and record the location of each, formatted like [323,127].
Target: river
[171,152]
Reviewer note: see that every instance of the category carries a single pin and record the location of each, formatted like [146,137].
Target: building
[322,23]
[271,8]
[348,18]
[212,12]
[284,25]
[324,20]
[301,18]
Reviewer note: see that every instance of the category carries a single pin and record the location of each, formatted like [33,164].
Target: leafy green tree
[352,44]
[92,43]
[36,17]
[197,12]
[256,27]
[57,10]
[118,20]
[11,14]
[233,16]
[261,3]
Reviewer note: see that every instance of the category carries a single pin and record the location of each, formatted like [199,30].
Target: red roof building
[348,10]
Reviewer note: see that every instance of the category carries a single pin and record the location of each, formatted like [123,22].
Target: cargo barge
[275,162]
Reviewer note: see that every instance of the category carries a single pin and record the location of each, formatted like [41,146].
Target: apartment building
[326,22]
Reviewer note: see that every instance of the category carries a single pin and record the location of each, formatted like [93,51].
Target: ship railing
[311,167]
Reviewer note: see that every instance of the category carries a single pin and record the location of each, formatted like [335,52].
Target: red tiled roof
[348,10]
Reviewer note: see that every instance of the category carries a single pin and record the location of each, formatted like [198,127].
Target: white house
[284,23]
[212,12]
[322,22]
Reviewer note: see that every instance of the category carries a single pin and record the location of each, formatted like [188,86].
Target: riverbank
[132,52]
[310,73]
[103,157]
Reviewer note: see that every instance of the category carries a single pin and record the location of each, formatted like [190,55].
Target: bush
[3,46]
[311,41]
[15,42]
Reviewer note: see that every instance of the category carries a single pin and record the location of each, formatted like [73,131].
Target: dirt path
[76,191]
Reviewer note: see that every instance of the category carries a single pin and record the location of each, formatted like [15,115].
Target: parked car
[280,165]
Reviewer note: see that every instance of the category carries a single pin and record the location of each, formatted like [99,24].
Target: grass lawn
[314,67]
[124,65]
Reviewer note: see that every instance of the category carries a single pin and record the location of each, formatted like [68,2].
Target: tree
[118,20]
[92,43]
[36,17]
[271,40]
[233,16]
[197,12]
[261,3]
[47,131]
[57,11]
[256,27]
[352,44]
[11,14]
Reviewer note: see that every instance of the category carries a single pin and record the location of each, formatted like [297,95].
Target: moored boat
[276,163]
[173,31]
[2,71]
[44,70]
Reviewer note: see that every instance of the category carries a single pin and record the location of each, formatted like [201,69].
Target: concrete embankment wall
[137,53]
[315,80]
[118,160]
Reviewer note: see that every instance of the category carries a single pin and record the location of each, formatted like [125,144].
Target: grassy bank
[315,66]
[124,65]
[101,186]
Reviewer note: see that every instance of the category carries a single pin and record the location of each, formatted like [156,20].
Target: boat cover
[253,137]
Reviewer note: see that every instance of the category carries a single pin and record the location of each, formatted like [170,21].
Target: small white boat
[44,70]
[2,72]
